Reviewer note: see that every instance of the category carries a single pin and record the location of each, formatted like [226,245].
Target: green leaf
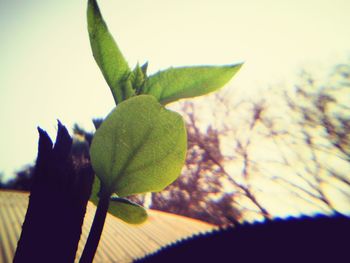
[127,211]
[144,69]
[122,208]
[127,87]
[140,147]
[138,79]
[177,83]
[106,52]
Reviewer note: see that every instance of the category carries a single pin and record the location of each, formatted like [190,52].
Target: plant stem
[96,230]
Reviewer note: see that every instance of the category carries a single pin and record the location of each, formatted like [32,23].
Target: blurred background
[274,142]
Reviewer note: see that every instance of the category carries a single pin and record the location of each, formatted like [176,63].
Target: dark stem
[96,230]
[59,194]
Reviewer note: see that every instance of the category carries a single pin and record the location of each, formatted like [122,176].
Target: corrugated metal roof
[120,242]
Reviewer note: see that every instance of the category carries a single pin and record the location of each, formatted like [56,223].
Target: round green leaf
[140,147]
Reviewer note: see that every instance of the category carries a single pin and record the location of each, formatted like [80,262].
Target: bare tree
[288,153]
[206,190]
[292,144]
[318,140]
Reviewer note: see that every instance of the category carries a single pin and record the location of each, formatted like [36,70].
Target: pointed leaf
[144,69]
[140,147]
[106,52]
[127,87]
[138,79]
[177,83]
[122,208]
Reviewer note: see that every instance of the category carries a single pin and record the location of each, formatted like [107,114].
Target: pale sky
[47,71]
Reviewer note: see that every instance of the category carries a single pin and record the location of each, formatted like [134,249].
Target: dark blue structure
[305,239]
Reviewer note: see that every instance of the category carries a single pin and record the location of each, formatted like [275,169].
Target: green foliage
[139,78]
[140,147]
[107,54]
[128,211]
[122,208]
[167,86]
[177,83]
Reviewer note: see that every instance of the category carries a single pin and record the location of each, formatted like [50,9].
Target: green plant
[140,146]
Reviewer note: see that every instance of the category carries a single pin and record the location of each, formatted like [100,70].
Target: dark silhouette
[307,239]
[60,191]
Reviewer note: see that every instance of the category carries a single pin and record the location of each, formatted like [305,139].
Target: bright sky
[47,71]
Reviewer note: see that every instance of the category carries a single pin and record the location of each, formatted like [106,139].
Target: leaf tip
[237,65]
